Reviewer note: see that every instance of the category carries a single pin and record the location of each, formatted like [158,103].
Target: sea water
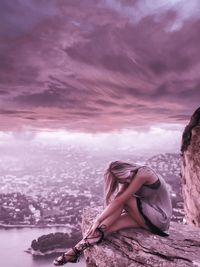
[15,241]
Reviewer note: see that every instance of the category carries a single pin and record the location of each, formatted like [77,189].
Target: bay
[14,242]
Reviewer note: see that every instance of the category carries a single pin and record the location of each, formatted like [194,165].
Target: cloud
[142,49]
[105,103]
[181,117]
[98,66]
[60,94]
[135,10]
[47,98]
[143,141]
[20,16]
[16,72]
[3,92]
[14,112]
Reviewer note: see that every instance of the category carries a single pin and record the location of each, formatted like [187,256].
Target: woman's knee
[131,203]
[132,209]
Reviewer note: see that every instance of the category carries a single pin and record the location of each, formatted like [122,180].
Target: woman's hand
[92,229]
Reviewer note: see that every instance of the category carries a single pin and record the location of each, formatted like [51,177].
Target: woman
[135,196]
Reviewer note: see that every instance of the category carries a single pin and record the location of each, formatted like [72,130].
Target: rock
[138,247]
[187,134]
[190,169]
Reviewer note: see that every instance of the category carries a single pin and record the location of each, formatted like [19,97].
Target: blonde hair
[116,169]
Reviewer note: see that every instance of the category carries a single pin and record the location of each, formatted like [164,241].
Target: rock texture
[138,247]
[190,169]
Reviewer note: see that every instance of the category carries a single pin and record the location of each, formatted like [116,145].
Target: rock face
[138,247]
[190,169]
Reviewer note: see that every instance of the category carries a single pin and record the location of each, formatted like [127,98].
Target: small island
[53,243]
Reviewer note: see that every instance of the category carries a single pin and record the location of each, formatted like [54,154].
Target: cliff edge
[190,169]
[138,247]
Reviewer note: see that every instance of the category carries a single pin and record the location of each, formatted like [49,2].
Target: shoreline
[10,226]
[43,254]
[51,253]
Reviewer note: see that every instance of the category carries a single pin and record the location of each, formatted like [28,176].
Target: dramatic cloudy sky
[96,66]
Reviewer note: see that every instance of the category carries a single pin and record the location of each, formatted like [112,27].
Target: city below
[50,186]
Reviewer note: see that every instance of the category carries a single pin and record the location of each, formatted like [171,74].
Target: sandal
[88,240]
[61,260]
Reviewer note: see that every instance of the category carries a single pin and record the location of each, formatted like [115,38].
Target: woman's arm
[121,190]
[123,196]
[101,217]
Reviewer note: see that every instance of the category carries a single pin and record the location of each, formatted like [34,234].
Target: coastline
[48,253]
[53,252]
[10,226]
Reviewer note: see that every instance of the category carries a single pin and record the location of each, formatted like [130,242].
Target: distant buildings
[54,187]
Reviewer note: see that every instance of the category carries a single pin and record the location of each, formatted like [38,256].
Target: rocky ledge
[138,247]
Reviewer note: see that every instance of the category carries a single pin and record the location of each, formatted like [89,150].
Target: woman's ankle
[96,237]
[80,246]
[69,252]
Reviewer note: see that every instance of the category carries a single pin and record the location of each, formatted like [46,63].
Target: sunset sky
[113,68]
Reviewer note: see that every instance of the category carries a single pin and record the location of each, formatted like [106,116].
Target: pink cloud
[86,66]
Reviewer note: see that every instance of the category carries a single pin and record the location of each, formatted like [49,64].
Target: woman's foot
[71,255]
[96,237]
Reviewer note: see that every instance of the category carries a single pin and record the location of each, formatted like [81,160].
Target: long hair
[116,169]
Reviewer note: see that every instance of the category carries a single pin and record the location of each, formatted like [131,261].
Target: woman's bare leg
[123,222]
[107,222]
[117,221]
[120,221]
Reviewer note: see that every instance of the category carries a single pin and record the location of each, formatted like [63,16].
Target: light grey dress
[154,203]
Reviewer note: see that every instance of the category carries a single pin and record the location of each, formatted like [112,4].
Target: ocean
[14,242]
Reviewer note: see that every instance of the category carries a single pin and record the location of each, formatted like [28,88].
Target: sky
[96,68]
